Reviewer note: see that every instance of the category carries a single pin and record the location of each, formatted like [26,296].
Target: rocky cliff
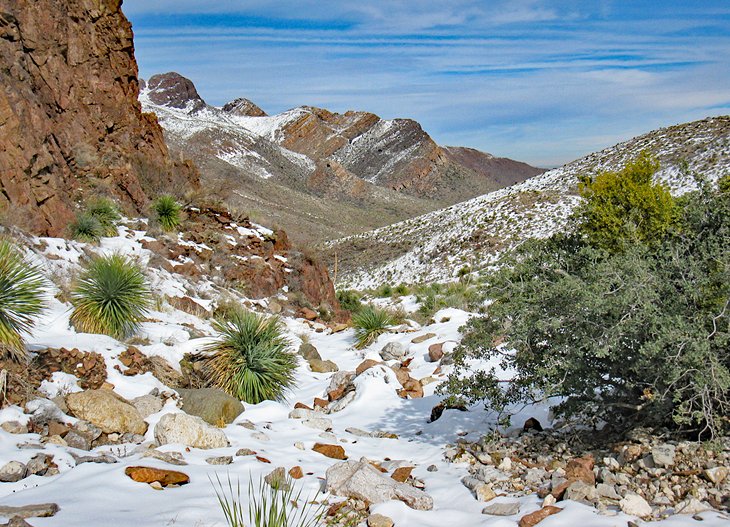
[70,121]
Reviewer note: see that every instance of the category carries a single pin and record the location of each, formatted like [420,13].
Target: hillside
[320,174]
[435,246]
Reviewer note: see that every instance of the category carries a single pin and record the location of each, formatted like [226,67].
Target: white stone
[635,505]
[189,430]
[393,351]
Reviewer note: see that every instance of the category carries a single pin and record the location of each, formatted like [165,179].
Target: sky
[544,82]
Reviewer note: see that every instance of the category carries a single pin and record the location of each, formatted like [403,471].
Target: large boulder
[361,480]
[106,410]
[189,430]
[211,404]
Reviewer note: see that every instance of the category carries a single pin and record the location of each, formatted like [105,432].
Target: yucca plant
[167,212]
[86,228]
[111,297]
[250,358]
[369,323]
[106,212]
[21,300]
[268,506]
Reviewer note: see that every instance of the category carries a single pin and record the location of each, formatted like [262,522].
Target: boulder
[189,430]
[323,366]
[106,410]
[393,351]
[214,406]
[361,480]
[309,352]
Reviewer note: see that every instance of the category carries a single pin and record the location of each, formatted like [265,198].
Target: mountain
[370,171]
[435,246]
[70,121]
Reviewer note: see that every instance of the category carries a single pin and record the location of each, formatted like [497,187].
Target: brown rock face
[70,122]
[244,108]
[172,89]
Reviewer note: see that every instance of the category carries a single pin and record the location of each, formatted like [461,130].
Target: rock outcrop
[70,120]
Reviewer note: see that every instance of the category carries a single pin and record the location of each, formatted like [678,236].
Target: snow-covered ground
[101,494]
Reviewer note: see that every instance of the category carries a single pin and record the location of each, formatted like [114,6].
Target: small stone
[309,352]
[635,505]
[299,445]
[365,365]
[173,458]
[296,472]
[260,436]
[536,517]
[378,520]
[607,491]
[717,475]
[331,451]
[156,485]
[277,479]
[39,465]
[549,500]
[219,460]
[248,425]
[663,455]
[14,427]
[12,471]
[432,468]
[149,475]
[323,366]
[423,338]
[502,509]
[505,465]
[318,423]
[691,506]
[245,452]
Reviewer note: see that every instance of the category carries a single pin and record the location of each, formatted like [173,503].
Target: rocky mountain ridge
[70,121]
[355,160]
[472,234]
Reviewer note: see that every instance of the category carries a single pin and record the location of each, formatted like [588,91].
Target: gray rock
[260,436]
[39,464]
[318,423]
[245,452]
[692,506]
[393,351]
[211,404]
[482,491]
[173,458]
[607,491]
[106,410]
[341,379]
[432,468]
[219,460]
[309,352]
[581,491]
[360,480]
[717,475]
[12,471]
[82,435]
[502,509]
[535,476]
[277,479]
[147,405]
[323,366]
[304,413]
[663,455]
[43,411]
[41,510]
[189,430]
[101,458]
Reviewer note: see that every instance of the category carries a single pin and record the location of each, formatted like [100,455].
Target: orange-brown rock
[581,469]
[536,517]
[365,365]
[164,477]
[332,451]
[70,122]
[435,352]
[302,405]
[296,472]
[401,474]
[320,403]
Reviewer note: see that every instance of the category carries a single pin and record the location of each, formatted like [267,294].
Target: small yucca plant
[21,300]
[167,212]
[86,228]
[250,358]
[111,297]
[106,212]
[369,323]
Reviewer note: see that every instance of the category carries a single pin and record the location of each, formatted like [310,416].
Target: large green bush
[21,300]
[639,336]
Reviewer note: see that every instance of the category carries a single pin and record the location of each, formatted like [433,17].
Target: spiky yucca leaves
[86,228]
[369,323]
[167,212]
[21,300]
[106,212]
[111,297]
[250,359]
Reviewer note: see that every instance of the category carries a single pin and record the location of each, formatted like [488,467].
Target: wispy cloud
[542,81]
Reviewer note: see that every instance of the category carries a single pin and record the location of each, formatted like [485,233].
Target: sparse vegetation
[86,228]
[111,297]
[350,300]
[250,358]
[21,300]
[106,212]
[167,212]
[369,323]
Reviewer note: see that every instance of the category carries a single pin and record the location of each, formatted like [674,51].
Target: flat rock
[331,451]
[318,423]
[502,509]
[323,366]
[663,455]
[147,405]
[163,476]
[366,365]
[423,338]
[41,510]
[106,410]
[219,460]
[173,458]
[189,430]
[14,427]
[214,406]
[635,505]
[361,480]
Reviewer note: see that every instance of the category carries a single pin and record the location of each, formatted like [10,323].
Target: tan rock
[378,520]
[423,338]
[536,517]
[106,410]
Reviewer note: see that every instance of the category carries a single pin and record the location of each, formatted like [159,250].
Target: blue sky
[540,81]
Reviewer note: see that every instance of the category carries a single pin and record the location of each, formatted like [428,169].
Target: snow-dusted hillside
[435,246]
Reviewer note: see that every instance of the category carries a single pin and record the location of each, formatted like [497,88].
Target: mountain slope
[472,234]
[371,171]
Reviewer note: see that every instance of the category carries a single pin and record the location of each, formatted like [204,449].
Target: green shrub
[369,324]
[111,297]
[638,337]
[401,290]
[250,358]
[86,228]
[21,300]
[167,212]
[384,291]
[277,505]
[106,212]
[350,300]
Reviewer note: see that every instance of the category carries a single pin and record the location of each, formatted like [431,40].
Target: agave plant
[86,228]
[250,358]
[106,212]
[111,297]
[167,212]
[21,300]
[369,323]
